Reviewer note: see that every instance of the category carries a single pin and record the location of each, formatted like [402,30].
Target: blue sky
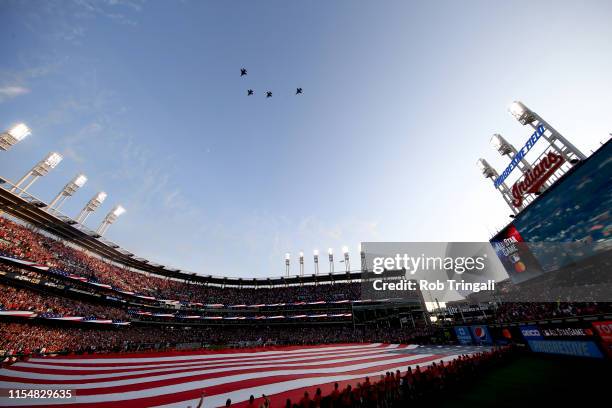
[400,99]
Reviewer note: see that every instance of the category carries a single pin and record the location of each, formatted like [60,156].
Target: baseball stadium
[224,143]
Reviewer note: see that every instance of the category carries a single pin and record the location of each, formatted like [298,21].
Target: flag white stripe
[217,380]
[243,394]
[233,367]
[237,395]
[49,363]
[154,368]
[94,361]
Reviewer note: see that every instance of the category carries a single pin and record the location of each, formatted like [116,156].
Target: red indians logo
[536,177]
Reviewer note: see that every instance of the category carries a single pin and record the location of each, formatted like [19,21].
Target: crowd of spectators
[14,298]
[22,242]
[520,312]
[33,338]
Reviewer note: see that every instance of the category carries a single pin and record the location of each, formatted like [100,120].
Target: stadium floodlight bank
[110,218]
[559,155]
[68,191]
[13,136]
[39,170]
[91,206]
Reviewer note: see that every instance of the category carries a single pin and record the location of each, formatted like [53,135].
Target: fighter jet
[249,92]
[298,91]
[268,94]
[243,72]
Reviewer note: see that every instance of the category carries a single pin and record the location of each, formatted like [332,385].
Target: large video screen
[570,222]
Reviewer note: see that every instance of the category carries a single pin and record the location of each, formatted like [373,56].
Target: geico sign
[531,332]
[533,180]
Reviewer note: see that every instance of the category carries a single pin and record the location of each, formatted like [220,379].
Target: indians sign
[535,178]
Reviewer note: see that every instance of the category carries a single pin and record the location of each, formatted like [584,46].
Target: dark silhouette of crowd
[422,385]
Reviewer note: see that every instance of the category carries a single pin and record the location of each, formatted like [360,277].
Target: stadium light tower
[489,172]
[330,252]
[13,136]
[564,147]
[315,253]
[69,189]
[110,218]
[505,148]
[347,262]
[91,206]
[364,267]
[287,261]
[41,169]
[301,263]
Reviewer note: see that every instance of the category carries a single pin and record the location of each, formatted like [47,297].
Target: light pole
[316,261]
[301,263]
[91,206]
[330,252]
[41,169]
[347,262]
[13,136]
[364,267]
[564,147]
[505,148]
[489,172]
[110,218]
[287,260]
[69,189]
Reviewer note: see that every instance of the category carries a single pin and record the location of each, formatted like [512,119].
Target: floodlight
[13,136]
[40,169]
[330,251]
[118,210]
[521,112]
[110,218]
[91,206]
[502,145]
[486,169]
[80,180]
[69,189]
[53,159]
[345,249]
[316,261]
[100,197]
[20,131]
[287,256]
[301,254]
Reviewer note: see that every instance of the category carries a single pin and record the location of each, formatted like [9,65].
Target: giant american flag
[177,379]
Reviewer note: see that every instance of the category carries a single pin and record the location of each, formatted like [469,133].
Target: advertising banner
[561,339]
[481,335]
[463,335]
[566,347]
[604,329]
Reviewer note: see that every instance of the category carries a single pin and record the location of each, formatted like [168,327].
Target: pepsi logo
[480,332]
